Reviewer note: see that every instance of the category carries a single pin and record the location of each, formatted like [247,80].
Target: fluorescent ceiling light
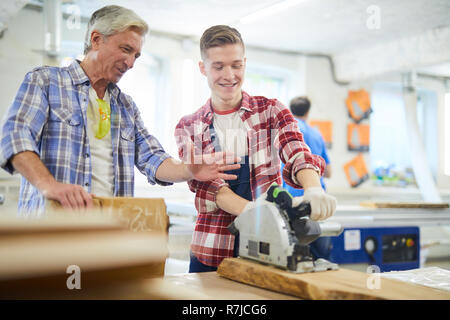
[270,10]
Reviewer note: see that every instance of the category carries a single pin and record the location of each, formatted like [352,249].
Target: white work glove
[322,204]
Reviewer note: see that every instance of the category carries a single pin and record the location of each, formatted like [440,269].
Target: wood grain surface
[134,214]
[120,240]
[336,284]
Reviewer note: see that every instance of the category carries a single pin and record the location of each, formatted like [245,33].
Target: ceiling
[320,26]
[311,26]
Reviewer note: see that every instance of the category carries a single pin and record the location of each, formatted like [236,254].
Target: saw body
[275,233]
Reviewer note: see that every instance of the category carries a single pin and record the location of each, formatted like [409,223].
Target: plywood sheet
[139,214]
[336,284]
[135,214]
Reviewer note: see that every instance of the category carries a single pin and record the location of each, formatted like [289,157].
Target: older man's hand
[70,196]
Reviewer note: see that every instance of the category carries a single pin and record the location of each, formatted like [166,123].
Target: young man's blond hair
[218,36]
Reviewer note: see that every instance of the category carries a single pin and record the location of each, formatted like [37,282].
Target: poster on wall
[356,171]
[326,130]
[358,105]
[358,137]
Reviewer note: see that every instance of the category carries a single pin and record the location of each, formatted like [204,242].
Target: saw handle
[279,196]
[302,210]
[284,200]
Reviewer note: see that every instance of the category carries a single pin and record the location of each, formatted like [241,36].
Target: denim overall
[240,186]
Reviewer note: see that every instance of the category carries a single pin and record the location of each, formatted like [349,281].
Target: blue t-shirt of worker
[315,142]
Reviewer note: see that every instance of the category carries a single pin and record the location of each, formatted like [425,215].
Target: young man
[71,132]
[255,128]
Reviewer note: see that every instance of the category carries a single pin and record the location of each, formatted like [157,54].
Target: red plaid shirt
[272,135]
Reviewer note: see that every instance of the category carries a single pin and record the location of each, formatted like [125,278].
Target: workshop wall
[21,51]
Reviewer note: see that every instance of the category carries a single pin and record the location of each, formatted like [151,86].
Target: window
[187,86]
[142,83]
[266,82]
[447,134]
[389,141]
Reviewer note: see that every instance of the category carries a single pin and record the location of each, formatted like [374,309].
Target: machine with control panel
[389,248]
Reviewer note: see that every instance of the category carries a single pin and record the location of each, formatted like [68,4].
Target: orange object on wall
[356,171]
[358,137]
[358,105]
[326,130]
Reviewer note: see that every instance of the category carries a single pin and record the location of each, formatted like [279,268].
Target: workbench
[212,286]
[207,286]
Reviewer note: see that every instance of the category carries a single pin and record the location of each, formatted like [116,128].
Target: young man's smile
[224,67]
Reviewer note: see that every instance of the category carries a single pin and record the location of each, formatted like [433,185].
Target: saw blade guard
[264,234]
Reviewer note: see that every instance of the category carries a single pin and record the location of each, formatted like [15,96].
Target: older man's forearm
[172,170]
[30,166]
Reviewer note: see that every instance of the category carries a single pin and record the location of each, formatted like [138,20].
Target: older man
[71,132]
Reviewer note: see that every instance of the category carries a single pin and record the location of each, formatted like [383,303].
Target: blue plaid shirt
[48,117]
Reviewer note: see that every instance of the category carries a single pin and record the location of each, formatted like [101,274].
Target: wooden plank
[139,214]
[420,205]
[36,256]
[336,284]
[35,265]
[58,223]
[136,214]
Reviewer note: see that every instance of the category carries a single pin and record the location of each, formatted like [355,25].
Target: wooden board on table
[58,223]
[119,240]
[334,284]
[135,214]
[37,264]
[420,205]
[139,214]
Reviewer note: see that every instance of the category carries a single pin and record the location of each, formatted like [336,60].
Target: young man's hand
[199,167]
[212,166]
[322,204]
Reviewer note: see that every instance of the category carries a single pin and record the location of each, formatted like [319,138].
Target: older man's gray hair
[110,20]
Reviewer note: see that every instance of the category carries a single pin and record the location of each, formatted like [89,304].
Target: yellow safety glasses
[104,123]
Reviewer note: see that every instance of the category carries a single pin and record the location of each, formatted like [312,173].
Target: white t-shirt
[101,150]
[231,132]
